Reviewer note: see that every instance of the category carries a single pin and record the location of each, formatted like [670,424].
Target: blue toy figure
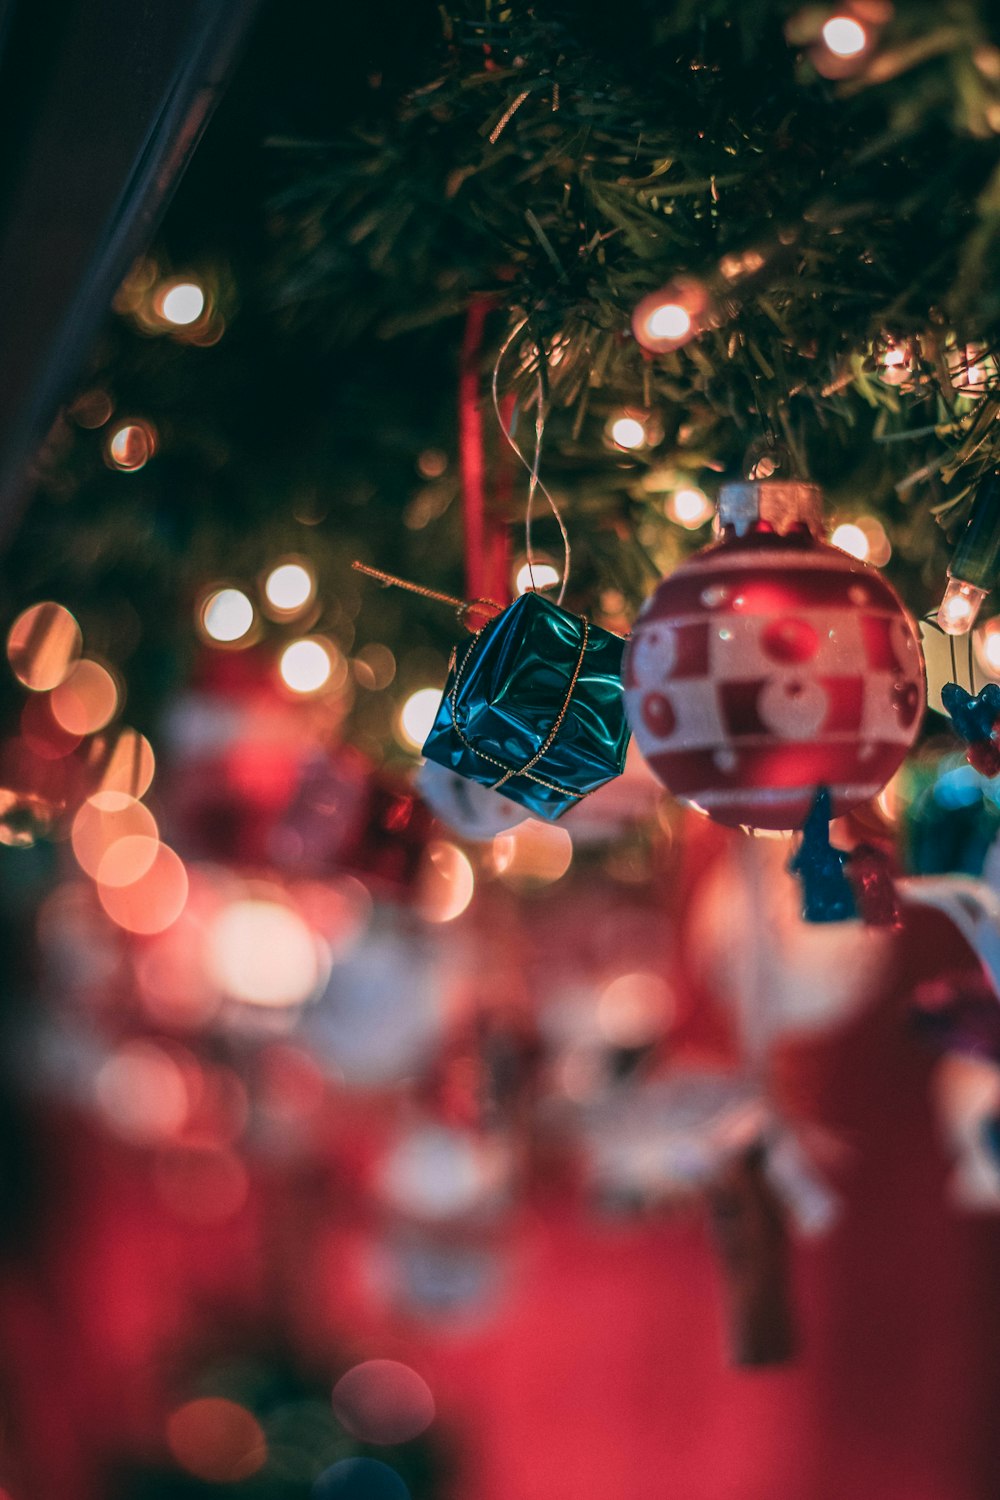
[826,891]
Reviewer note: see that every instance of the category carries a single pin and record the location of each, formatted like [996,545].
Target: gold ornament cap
[783,504]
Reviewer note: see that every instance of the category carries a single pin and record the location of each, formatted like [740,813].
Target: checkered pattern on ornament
[752,678]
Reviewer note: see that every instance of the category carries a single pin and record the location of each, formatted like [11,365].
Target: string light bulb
[289,587]
[671,317]
[130,446]
[226,616]
[897,362]
[689,507]
[626,430]
[844,36]
[976,561]
[180,302]
[971,368]
[306,666]
[850,538]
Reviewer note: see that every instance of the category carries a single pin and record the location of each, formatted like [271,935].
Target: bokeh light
[987,642]
[416,718]
[263,953]
[360,1479]
[92,409]
[180,302]
[533,853]
[216,1440]
[383,1401]
[202,1185]
[103,819]
[634,1009]
[130,446]
[666,319]
[153,901]
[141,1093]
[127,860]
[226,616]
[439,1173]
[40,732]
[538,576]
[375,666]
[447,883]
[290,587]
[689,506]
[844,36]
[627,431]
[131,765]
[306,666]
[850,538]
[86,700]
[43,646]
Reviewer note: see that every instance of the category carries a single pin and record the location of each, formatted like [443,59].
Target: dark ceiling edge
[109,147]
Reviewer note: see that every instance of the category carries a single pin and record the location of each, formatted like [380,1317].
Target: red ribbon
[487,561]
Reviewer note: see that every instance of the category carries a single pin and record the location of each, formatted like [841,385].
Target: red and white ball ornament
[769,664]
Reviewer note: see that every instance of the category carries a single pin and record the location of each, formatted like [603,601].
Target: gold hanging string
[462,606]
[534,482]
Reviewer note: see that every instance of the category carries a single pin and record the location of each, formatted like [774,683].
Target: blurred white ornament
[381,1015]
[746,940]
[438,1173]
[469,809]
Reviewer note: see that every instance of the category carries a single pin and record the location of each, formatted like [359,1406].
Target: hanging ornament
[472,811]
[975,563]
[976,720]
[533,708]
[826,890]
[769,664]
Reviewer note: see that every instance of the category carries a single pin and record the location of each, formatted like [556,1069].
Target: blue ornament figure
[975,720]
[826,891]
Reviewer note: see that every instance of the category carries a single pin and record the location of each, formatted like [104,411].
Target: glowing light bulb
[959,607]
[627,432]
[289,587]
[417,716]
[666,319]
[536,576]
[130,446]
[689,506]
[669,321]
[227,616]
[306,666]
[972,368]
[988,646]
[844,36]
[181,303]
[850,538]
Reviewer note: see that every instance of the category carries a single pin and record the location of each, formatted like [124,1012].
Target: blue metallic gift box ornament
[533,707]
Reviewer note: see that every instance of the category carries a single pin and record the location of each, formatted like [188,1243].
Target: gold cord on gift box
[461,606]
[509,772]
